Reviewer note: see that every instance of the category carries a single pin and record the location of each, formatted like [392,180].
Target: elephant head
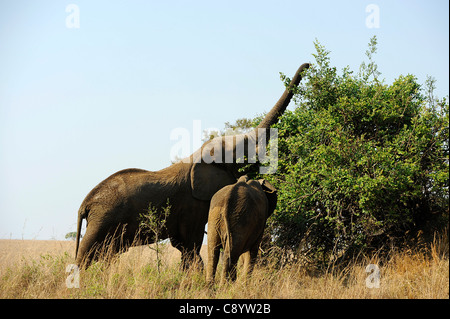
[271,194]
[217,162]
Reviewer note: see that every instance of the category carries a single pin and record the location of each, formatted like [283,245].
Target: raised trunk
[283,102]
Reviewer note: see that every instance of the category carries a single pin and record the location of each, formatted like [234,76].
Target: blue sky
[78,104]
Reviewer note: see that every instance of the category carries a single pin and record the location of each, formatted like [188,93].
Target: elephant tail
[82,214]
[229,242]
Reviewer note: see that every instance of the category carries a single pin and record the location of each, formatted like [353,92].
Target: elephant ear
[271,194]
[207,179]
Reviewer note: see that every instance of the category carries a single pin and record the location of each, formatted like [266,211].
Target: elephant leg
[252,256]
[232,271]
[188,240]
[101,243]
[198,259]
[191,258]
[213,260]
[214,246]
[229,265]
[185,257]
[88,246]
[118,242]
[247,263]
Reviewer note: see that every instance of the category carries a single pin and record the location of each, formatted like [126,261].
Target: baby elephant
[237,217]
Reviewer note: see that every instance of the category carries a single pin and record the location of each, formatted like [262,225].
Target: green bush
[362,164]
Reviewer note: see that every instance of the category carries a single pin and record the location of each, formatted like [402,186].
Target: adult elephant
[113,208]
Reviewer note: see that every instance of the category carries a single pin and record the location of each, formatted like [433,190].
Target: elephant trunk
[283,102]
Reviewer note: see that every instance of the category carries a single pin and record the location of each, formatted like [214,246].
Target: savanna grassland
[37,269]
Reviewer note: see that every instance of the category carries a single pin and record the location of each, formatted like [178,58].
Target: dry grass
[36,269]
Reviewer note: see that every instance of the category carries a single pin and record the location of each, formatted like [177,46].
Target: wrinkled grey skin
[237,217]
[113,207]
